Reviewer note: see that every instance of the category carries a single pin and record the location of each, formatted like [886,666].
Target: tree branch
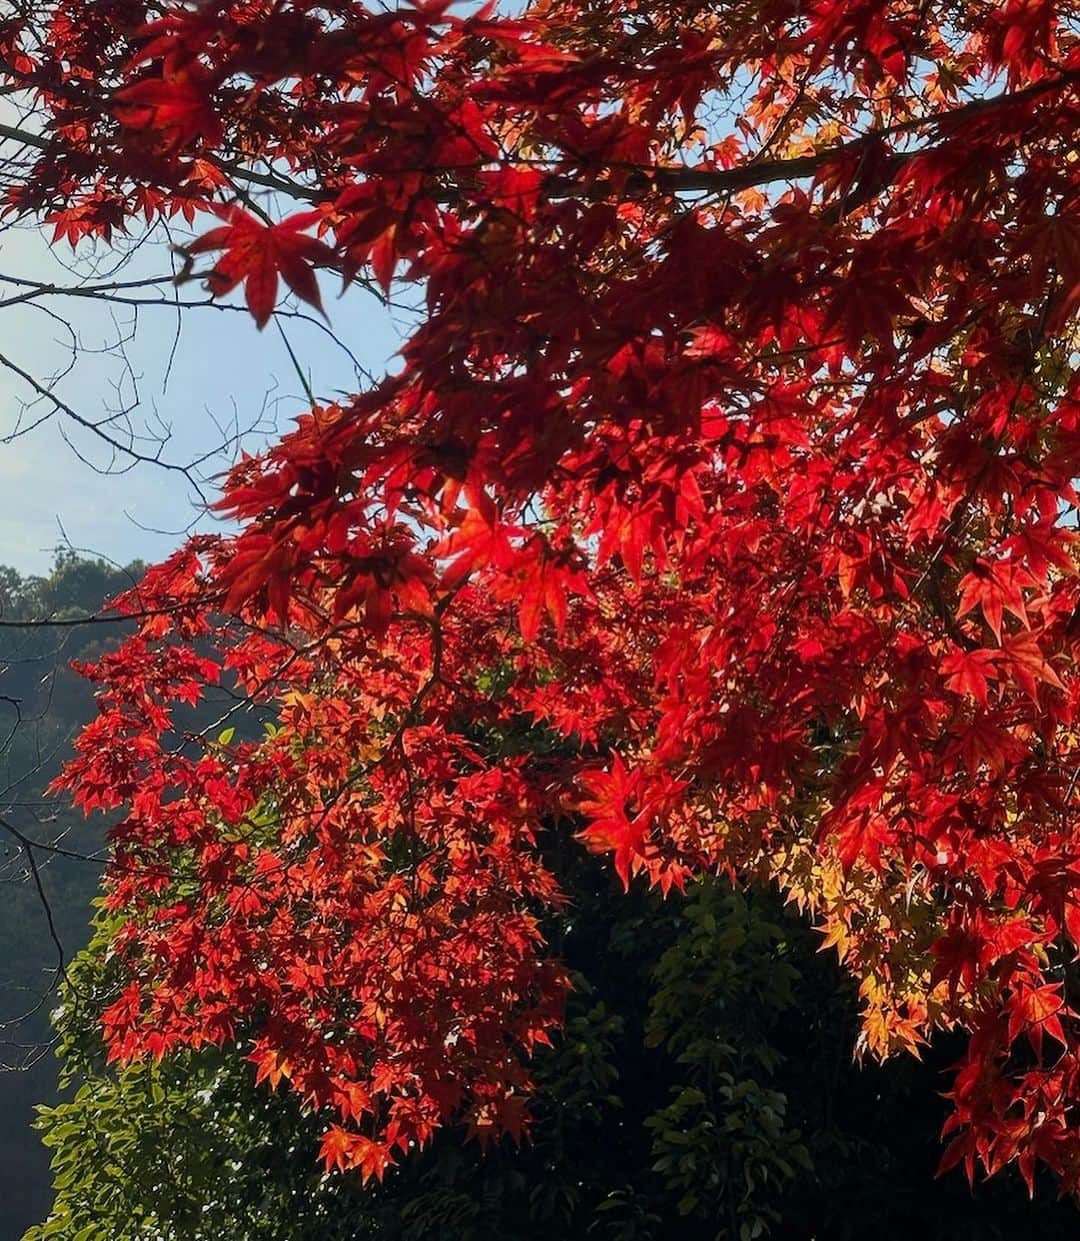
[644,178]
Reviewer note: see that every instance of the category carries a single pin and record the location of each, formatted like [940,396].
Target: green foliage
[724,1142]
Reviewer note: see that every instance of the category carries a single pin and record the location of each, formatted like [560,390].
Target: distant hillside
[42,706]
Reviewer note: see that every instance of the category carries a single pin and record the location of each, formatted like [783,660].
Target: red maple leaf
[258,253]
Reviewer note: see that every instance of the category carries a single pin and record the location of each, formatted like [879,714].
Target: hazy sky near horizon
[223,372]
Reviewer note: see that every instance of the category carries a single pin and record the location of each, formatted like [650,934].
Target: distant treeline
[43,703]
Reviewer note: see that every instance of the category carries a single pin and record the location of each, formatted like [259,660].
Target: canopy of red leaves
[735,456]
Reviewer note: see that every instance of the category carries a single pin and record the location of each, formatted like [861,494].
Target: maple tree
[735,449]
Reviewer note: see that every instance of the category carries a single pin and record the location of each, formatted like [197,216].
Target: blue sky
[223,369]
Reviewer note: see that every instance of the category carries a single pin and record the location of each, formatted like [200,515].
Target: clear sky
[223,370]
